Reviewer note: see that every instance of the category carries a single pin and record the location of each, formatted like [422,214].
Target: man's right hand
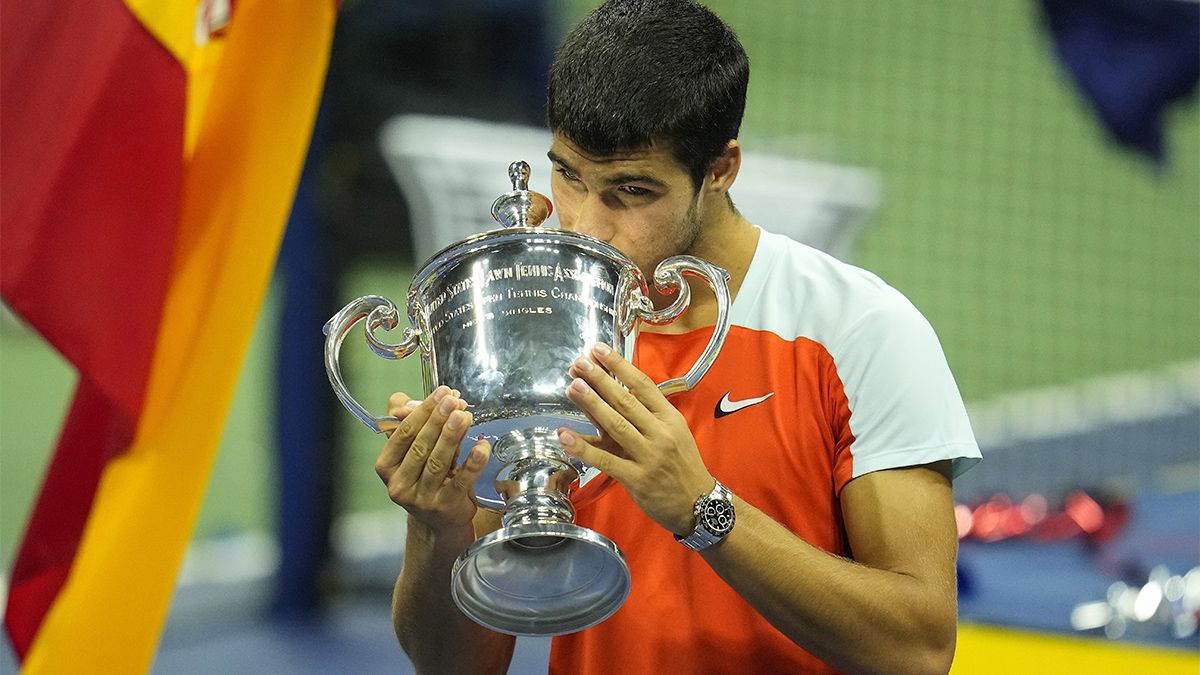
[418,461]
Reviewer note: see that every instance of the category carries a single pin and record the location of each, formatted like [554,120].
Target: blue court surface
[1017,583]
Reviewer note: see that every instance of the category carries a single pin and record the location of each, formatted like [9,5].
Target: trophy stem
[536,477]
[538,505]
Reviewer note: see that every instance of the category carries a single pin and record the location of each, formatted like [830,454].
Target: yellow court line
[983,650]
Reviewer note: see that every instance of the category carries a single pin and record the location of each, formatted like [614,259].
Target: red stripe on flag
[92,129]
[94,430]
[91,146]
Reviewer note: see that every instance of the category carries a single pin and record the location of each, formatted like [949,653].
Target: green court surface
[1040,252]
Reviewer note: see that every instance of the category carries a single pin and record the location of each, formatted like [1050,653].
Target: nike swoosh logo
[727,407]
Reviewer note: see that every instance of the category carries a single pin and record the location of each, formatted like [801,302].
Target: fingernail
[455,422]
[579,386]
[566,438]
[602,349]
[476,455]
[447,405]
[457,393]
[584,364]
[440,393]
[412,404]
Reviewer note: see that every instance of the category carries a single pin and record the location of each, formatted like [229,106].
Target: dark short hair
[640,72]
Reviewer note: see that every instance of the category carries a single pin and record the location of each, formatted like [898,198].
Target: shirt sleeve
[905,408]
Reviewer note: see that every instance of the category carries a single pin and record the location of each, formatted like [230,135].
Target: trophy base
[540,579]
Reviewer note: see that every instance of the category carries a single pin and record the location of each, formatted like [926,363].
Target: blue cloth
[1131,59]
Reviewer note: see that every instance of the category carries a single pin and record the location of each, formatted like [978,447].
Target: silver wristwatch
[714,519]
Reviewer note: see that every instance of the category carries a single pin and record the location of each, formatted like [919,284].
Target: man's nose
[594,218]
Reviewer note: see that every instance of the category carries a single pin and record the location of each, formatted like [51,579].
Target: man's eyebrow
[625,178]
[620,179]
[559,161]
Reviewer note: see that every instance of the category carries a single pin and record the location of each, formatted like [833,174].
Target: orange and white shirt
[827,374]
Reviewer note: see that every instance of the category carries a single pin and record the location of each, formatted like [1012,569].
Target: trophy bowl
[500,317]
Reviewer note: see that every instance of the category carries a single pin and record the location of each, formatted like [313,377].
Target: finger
[594,439]
[606,444]
[397,410]
[423,443]
[400,404]
[400,437]
[640,385]
[601,441]
[463,480]
[613,393]
[441,460]
[575,446]
[610,423]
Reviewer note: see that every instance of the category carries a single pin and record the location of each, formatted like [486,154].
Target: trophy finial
[518,173]
[521,207]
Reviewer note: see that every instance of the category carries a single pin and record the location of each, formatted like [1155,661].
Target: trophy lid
[521,212]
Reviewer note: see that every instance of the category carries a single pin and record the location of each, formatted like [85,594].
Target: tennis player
[794,512]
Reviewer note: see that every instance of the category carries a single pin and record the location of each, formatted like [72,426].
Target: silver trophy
[501,316]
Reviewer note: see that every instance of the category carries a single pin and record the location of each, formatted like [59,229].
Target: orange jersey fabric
[806,419]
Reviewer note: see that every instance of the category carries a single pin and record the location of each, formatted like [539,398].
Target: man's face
[642,202]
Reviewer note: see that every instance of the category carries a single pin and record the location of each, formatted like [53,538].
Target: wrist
[713,517]
[452,539]
[685,523]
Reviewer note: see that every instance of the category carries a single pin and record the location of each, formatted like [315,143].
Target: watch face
[717,516]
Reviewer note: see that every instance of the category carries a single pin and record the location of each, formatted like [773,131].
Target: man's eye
[567,175]
[634,190]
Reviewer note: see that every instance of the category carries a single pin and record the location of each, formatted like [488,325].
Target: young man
[829,427]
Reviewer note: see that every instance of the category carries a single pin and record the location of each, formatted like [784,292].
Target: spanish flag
[149,151]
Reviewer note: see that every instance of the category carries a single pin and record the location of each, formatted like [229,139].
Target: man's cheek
[566,212]
[566,220]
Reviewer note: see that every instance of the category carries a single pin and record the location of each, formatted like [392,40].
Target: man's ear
[725,170]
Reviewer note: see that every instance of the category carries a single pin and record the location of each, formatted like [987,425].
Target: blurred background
[1012,167]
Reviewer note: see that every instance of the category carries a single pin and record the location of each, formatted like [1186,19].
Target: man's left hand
[644,442]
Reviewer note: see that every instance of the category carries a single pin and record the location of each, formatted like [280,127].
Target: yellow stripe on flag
[238,190]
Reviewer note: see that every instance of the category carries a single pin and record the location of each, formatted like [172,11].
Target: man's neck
[728,241]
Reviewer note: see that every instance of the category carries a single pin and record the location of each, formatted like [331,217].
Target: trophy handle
[379,312]
[668,278]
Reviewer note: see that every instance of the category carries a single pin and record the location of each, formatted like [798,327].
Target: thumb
[579,447]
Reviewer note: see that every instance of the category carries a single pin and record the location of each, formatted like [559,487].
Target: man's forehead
[565,147]
[653,156]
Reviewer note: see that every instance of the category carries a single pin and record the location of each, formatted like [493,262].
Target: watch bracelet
[701,537]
